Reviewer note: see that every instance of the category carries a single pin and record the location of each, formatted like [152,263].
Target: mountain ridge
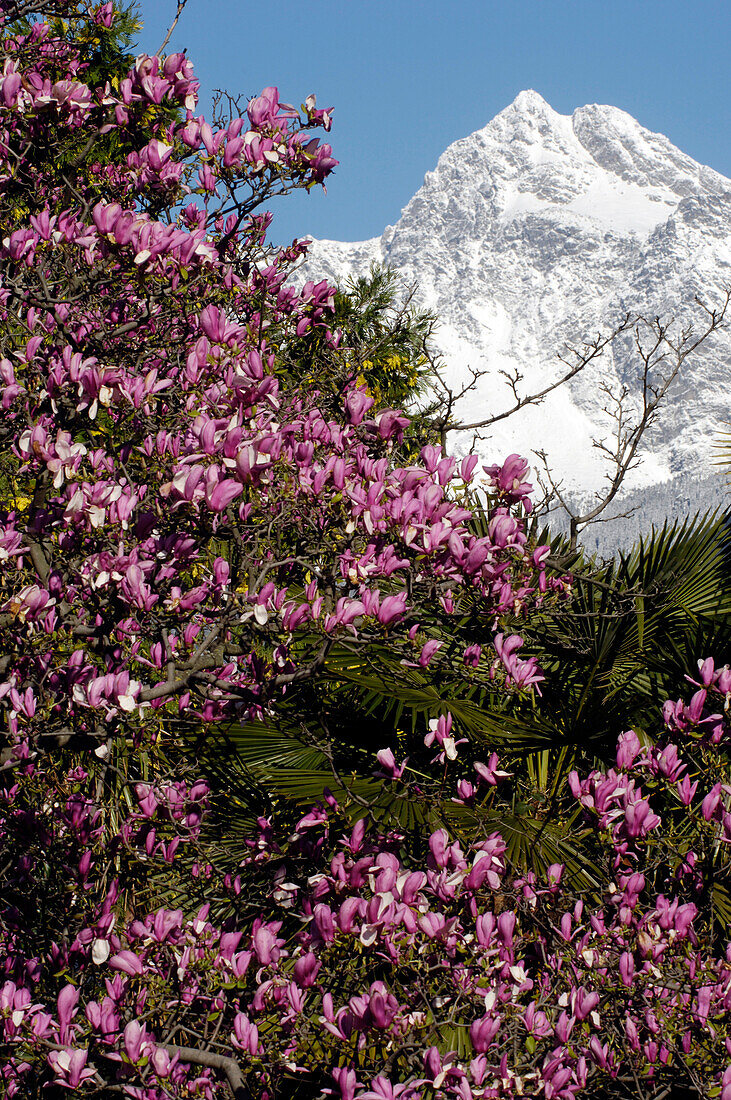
[542,228]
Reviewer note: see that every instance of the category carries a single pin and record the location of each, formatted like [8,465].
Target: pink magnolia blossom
[69,1066]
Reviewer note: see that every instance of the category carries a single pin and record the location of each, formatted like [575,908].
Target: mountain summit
[543,228]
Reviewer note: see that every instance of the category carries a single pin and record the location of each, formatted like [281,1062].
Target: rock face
[544,228]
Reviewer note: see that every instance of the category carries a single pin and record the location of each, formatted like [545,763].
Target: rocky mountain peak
[543,228]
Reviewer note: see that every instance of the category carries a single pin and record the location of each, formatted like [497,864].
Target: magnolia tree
[333,962]
[186,532]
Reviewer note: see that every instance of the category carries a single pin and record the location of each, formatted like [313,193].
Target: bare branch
[166,39]
[228,1067]
[661,357]
[582,358]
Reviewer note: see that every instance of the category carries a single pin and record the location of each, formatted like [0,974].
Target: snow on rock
[542,229]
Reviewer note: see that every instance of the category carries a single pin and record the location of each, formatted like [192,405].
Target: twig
[179,12]
[591,350]
[661,360]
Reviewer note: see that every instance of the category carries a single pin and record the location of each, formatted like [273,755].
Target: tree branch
[590,351]
[228,1066]
[171,28]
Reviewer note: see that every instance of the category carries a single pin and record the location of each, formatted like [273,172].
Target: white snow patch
[543,228]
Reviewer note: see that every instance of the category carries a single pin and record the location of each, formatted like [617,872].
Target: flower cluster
[362,968]
[187,533]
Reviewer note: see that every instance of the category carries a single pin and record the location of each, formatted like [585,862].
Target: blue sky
[406,78]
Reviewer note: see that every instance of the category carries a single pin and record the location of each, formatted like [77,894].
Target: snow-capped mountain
[544,228]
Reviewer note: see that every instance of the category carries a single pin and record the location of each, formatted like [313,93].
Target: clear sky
[406,78]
